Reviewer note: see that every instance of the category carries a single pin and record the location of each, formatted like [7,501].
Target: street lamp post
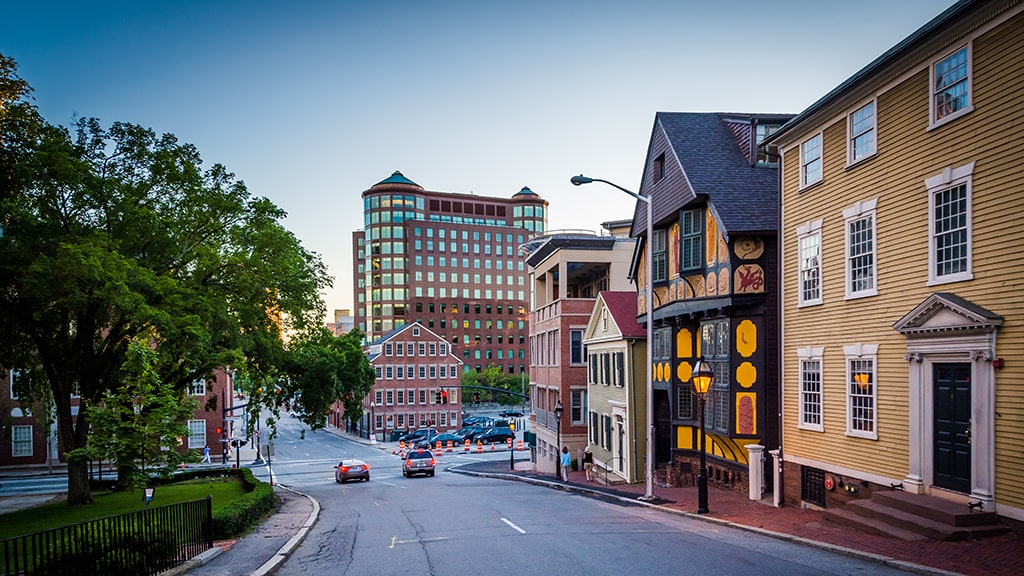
[373,424]
[649,472]
[703,377]
[558,442]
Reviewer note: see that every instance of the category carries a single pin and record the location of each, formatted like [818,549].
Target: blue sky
[311,103]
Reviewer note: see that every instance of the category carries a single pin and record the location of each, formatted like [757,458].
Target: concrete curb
[876,558]
[282,554]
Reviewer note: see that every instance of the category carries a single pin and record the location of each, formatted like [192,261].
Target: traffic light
[444,396]
[437,397]
[220,430]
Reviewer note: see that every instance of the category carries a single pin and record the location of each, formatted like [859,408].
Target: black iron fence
[139,543]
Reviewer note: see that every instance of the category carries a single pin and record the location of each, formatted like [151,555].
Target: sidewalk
[1002,555]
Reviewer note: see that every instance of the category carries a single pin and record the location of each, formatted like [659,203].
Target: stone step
[907,521]
[935,508]
[844,517]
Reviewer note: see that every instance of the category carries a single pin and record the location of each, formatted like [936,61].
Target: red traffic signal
[220,430]
[444,396]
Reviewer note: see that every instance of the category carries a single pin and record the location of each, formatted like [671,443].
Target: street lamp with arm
[649,255]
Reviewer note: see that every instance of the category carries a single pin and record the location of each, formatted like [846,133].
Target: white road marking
[395,540]
[514,527]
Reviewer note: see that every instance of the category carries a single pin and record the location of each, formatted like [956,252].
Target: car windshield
[419,454]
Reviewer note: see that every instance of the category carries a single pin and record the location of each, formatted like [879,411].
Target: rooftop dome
[525,192]
[397,178]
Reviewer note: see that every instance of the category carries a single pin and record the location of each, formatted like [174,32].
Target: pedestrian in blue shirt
[566,463]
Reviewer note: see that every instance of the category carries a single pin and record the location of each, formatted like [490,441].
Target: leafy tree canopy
[110,233]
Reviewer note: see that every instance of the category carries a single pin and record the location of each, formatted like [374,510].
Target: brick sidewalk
[1001,555]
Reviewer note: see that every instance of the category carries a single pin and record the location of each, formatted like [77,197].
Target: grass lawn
[224,491]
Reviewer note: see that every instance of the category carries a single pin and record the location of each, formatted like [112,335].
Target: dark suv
[496,436]
[418,461]
[416,436]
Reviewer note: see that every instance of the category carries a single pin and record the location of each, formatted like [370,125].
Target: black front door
[952,388]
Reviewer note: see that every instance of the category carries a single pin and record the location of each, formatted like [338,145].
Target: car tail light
[343,468]
[366,466]
[432,461]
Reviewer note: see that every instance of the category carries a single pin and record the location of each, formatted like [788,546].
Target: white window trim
[194,441]
[10,378]
[850,160]
[861,351]
[949,178]
[800,154]
[199,385]
[811,354]
[14,442]
[858,211]
[803,231]
[932,122]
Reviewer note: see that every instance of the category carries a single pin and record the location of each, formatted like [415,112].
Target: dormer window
[659,168]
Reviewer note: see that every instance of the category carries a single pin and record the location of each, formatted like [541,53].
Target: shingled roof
[622,307]
[742,195]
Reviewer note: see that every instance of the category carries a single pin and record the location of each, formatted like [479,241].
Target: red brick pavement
[1001,555]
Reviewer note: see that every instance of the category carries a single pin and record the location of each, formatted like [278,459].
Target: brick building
[448,261]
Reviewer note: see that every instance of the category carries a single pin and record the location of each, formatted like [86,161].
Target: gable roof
[622,308]
[743,196]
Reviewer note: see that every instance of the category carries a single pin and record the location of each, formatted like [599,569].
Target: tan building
[616,346]
[567,271]
[903,299]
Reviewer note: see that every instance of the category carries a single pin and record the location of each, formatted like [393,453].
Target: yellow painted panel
[684,438]
[746,374]
[684,343]
[746,338]
[684,371]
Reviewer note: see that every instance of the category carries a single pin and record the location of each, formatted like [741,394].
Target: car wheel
[404,473]
[367,479]
[431,473]
[337,480]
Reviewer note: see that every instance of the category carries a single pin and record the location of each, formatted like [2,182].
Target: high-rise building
[449,261]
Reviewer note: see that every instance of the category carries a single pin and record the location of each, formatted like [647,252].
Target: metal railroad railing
[140,543]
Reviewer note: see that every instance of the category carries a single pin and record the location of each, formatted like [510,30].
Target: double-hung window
[659,251]
[578,406]
[861,249]
[810,389]
[21,441]
[691,240]
[951,78]
[949,225]
[862,133]
[577,351]
[809,238]
[810,161]
[197,388]
[715,348]
[861,391]
[196,433]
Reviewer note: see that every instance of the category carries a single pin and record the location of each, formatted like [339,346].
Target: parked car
[510,414]
[496,436]
[351,469]
[476,421]
[470,432]
[418,435]
[445,438]
[418,461]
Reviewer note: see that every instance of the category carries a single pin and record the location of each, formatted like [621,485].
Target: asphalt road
[459,524]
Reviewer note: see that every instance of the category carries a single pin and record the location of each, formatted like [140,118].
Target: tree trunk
[72,435]
[79,491]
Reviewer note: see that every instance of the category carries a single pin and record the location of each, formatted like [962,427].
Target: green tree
[111,233]
[139,424]
[494,380]
[323,368]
